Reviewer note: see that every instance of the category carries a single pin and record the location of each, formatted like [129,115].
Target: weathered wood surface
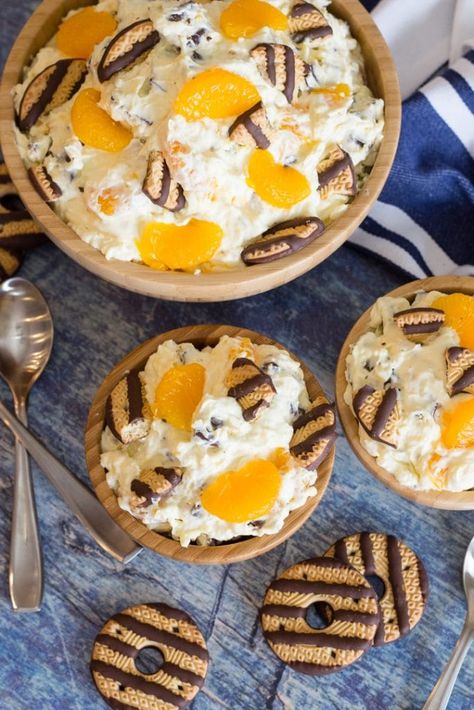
[44,657]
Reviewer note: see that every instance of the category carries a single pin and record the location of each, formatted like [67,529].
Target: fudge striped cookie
[9,198]
[126,412]
[117,647]
[400,569]
[18,233]
[353,620]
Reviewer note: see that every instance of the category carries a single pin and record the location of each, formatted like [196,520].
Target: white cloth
[423,35]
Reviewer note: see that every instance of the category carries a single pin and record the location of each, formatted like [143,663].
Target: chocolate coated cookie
[353,622]
[406,584]
[124,635]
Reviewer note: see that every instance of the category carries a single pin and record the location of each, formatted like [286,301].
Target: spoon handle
[26,566]
[439,696]
[78,497]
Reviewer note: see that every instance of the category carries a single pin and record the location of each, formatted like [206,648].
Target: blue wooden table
[44,656]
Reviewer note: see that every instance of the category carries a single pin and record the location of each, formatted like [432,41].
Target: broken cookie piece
[125,415]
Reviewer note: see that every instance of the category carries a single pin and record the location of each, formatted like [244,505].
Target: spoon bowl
[26,340]
[26,334]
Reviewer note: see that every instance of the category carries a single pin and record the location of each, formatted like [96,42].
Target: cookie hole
[319,615]
[11,202]
[377,583]
[333,654]
[149,660]
[121,687]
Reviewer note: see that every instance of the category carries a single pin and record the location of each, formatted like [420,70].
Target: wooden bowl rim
[448,500]
[228,285]
[219,554]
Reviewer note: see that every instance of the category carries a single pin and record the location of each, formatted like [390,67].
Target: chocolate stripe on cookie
[251,387]
[159,186]
[252,128]
[19,232]
[336,174]
[460,370]
[51,88]
[124,413]
[282,240]
[44,183]
[398,587]
[154,484]
[307,22]
[314,433]
[127,47]
[418,324]
[378,412]
[367,553]
[280,66]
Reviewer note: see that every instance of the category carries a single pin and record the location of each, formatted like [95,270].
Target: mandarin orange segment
[108,201]
[246,494]
[457,427]
[215,93]
[243,18]
[276,184]
[178,394]
[335,94]
[78,35]
[185,247]
[94,127]
[459,311]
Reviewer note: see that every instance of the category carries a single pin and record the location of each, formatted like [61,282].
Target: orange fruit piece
[243,18]
[169,246]
[78,35]
[178,394]
[458,425]
[334,94]
[215,93]
[245,494]
[94,127]
[108,200]
[459,311]
[276,184]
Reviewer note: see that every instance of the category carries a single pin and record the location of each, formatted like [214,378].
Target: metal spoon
[439,697]
[26,339]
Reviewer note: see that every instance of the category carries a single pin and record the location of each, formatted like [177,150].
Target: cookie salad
[214,444]
[410,383]
[199,136]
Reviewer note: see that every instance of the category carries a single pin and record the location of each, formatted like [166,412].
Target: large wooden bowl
[243,281]
[200,336]
[448,500]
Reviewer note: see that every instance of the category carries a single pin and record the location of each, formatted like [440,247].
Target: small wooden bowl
[200,336]
[243,281]
[437,499]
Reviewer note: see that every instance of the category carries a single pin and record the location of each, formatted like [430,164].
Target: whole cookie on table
[353,623]
[406,584]
[118,645]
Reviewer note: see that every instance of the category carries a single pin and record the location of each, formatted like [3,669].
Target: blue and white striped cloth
[423,221]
